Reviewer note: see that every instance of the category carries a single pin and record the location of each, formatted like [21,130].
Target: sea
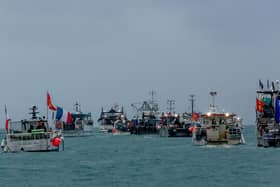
[119,161]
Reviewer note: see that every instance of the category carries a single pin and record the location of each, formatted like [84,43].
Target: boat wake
[217,146]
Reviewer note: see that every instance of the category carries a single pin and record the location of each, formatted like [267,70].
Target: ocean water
[106,160]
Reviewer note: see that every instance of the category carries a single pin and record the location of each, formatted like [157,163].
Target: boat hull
[142,130]
[106,128]
[212,137]
[41,145]
[163,131]
[269,141]
[179,132]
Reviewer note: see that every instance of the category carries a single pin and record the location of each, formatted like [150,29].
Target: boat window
[214,121]
[229,120]
[206,122]
[222,121]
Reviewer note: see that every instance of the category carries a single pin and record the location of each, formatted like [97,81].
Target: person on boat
[135,122]
[177,121]
[41,125]
[30,129]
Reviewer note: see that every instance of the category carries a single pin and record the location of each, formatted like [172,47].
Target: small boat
[81,124]
[217,128]
[268,115]
[31,135]
[171,126]
[121,127]
[107,119]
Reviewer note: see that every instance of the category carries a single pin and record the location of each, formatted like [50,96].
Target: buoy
[114,130]
[56,141]
[191,129]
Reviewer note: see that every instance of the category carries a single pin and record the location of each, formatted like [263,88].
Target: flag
[63,115]
[259,105]
[195,116]
[49,103]
[7,119]
[277,110]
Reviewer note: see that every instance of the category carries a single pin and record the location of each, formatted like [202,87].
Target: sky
[104,52]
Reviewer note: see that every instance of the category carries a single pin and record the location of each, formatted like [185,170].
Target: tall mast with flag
[50,106]
[7,119]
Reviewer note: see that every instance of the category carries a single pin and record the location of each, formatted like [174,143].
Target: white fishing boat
[108,118]
[81,124]
[31,135]
[217,128]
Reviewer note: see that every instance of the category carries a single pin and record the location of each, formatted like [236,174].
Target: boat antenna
[34,112]
[277,84]
[272,86]
[153,94]
[192,100]
[213,94]
[260,84]
[171,105]
[77,107]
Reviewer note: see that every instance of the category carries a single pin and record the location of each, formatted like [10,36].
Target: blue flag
[277,110]
[59,113]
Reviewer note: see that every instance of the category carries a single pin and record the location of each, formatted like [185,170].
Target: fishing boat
[80,124]
[148,123]
[172,126]
[175,125]
[268,115]
[147,118]
[121,127]
[108,118]
[31,135]
[217,128]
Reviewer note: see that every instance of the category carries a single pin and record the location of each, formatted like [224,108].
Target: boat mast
[171,105]
[153,105]
[192,100]
[77,107]
[213,106]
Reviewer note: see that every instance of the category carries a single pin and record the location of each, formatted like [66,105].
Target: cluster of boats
[213,127]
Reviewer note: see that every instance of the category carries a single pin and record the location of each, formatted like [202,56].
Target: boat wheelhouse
[81,124]
[267,116]
[217,128]
[31,135]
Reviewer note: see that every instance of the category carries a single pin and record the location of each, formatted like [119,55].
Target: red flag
[195,116]
[7,119]
[259,105]
[69,118]
[49,102]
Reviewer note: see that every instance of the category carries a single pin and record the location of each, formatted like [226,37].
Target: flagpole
[47,112]
[47,108]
